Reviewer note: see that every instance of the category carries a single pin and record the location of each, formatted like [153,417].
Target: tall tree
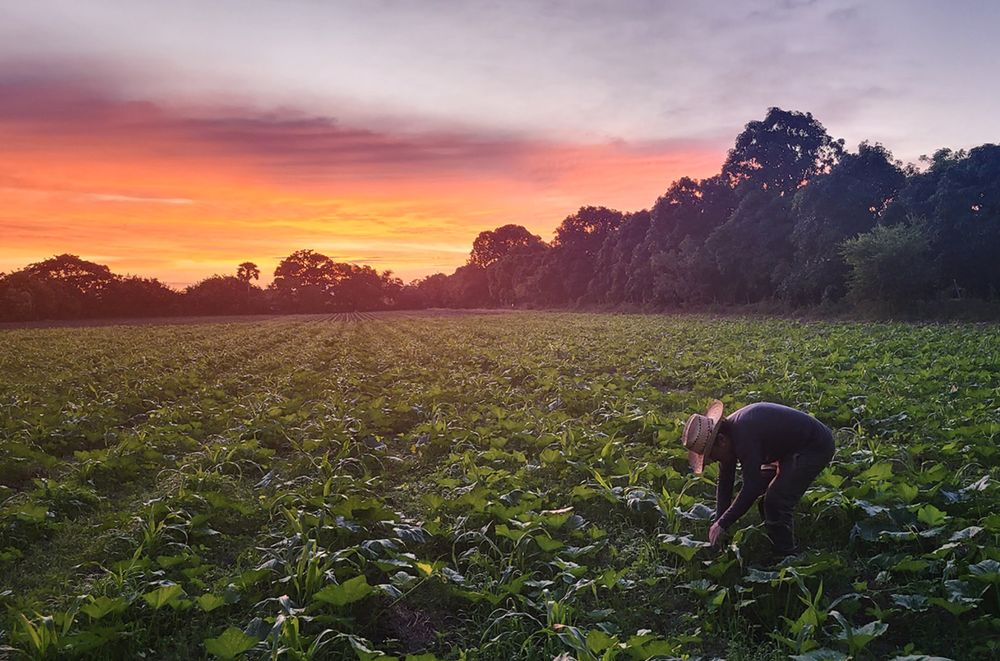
[959,196]
[248,271]
[781,152]
[683,270]
[691,209]
[686,274]
[27,298]
[428,292]
[305,281]
[358,288]
[84,277]
[508,277]
[135,296]
[578,240]
[468,287]
[78,286]
[752,249]
[585,230]
[491,246]
[621,266]
[848,201]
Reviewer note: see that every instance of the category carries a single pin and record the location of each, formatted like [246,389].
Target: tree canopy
[493,245]
[792,217]
[781,152]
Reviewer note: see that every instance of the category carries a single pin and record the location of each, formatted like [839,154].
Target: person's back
[777,429]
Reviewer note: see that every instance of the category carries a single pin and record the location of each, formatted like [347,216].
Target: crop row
[490,487]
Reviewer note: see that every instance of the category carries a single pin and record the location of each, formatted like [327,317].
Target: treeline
[792,218]
[67,287]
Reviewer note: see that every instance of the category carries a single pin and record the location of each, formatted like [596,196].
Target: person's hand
[715,533]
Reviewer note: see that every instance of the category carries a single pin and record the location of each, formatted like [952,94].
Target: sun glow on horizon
[181,197]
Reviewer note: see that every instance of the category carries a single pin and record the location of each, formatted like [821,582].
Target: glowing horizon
[178,140]
[176,195]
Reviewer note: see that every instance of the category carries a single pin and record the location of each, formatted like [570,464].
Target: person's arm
[754,484]
[724,489]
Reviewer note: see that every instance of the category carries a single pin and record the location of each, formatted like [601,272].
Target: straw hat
[699,435]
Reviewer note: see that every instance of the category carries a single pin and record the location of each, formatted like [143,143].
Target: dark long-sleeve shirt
[759,434]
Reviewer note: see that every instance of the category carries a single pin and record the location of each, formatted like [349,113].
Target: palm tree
[248,271]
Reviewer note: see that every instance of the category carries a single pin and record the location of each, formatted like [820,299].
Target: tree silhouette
[305,281]
[86,278]
[68,287]
[781,152]
[682,270]
[308,281]
[959,196]
[507,275]
[135,296]
[752,249]
[248,271]
[846,202]
[223,294]
[491,246]
[578,240]
[621,266]
[791,216]
[76,287]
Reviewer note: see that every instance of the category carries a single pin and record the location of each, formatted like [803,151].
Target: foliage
[493,245]
[227,294]
[308,281]
[889,265]
[781,152]
[486,487]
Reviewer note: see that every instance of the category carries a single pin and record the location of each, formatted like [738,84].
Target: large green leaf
[101,606]
[163,595]
[32,513]
[858,637]
[913,602]
[209,602]
[230,644]
[877,472]
[684,546]
[931,515]
[341,594]
[547,543]
[987,570]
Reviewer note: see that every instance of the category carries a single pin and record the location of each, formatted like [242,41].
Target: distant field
[486,486]
[250,318]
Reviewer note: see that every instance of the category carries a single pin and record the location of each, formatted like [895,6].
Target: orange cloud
[180,194]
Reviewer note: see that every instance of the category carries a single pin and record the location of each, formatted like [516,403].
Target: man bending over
[758,437]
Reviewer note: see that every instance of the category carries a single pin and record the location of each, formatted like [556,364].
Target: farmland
[487,486]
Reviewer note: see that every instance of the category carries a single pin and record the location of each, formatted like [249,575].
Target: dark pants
[794,475]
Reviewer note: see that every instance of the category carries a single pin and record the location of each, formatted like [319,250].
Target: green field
[487,486]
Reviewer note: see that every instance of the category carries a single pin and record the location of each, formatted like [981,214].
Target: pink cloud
[195,187]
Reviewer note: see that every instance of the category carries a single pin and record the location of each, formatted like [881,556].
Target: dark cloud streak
[286,143]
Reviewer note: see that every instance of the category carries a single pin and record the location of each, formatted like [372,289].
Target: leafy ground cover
[486,487]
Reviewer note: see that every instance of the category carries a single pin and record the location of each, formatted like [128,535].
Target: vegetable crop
[487,486]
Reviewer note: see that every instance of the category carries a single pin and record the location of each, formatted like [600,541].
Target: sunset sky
[178,139]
